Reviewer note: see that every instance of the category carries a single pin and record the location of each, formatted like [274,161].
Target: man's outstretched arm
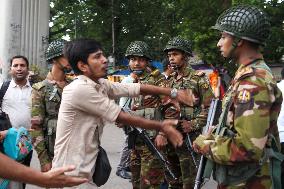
[184,96]
[13,170]
[166,126]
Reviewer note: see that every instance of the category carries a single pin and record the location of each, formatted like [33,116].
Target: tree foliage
[155,22]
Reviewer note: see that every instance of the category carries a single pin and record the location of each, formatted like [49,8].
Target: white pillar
[24,31]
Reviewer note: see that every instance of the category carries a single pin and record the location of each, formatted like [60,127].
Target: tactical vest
[147,106]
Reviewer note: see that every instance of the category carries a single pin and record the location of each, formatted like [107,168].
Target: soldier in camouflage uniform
[247,126]
[147,171]
[46,98]
[191,118]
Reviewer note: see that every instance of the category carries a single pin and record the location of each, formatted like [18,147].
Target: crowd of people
[67,116]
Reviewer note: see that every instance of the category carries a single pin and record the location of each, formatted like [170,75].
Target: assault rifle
[187,138]
[146,139]
[189,147]
[212,119]
[188,144]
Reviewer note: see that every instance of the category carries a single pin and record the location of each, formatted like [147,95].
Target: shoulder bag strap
[3,90]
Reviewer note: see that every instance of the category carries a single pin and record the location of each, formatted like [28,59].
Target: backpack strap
[3,90]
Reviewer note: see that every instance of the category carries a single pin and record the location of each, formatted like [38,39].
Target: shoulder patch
[38,85]
[244,96]
[199,73]
[205,85]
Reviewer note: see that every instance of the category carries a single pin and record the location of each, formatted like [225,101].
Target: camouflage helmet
[138,48]
[54,49]
[178,43]
[245,22]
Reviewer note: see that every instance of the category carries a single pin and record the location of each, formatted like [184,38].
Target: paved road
[112,141]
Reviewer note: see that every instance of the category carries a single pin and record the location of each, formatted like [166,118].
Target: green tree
[198,18]
[155,22]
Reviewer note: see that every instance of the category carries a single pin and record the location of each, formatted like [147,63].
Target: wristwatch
[174,93]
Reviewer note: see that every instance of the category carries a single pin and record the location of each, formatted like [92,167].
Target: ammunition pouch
[234,174]
[151,114]
[275,160]
[241,172]
[49,135]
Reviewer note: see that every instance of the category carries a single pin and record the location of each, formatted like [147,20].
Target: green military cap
[178,43]
[138,48]
[55,49]
[245,22]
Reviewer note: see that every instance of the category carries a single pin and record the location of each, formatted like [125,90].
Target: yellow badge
[244,96]
[205,86]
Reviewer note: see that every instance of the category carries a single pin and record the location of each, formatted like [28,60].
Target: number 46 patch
[244,96]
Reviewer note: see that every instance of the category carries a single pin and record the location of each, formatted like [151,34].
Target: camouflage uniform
[253,102]
[147,171]
[186,78]
[180,158]
[247,125]
[151,174]
[46,98]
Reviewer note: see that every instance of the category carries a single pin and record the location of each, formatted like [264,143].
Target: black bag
[5,123]
[102,168]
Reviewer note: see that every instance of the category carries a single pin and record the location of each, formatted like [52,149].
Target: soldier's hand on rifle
[186,126]
[202,143]
[172,134]
[161,140]
[210,130]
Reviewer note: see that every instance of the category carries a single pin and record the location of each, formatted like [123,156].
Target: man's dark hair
[79,50]
[20,56]
[282,73]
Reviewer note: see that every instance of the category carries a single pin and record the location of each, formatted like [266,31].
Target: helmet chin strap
[137,72]
[233,48]
[64,69]
[179,67]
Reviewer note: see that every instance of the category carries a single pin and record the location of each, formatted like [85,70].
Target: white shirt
[84,109]
[166,76]
[124,101]
[17,104]
[280,121]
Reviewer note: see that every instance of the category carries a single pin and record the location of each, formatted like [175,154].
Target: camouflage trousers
[147,171]
[261,180]
[182,166]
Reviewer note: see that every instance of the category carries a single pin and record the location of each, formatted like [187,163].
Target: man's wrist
[162,134]
[174,93]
